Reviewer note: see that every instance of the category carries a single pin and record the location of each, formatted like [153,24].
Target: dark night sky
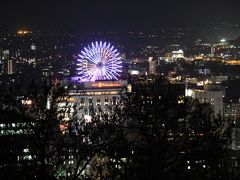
[104,14]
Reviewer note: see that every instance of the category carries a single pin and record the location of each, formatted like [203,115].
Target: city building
[232,113]
[48,70]
[7,63]
[177,54]
[99,95]
[152,66]
[14,130]
[232,91]
[9,66]
[211,95]
[232,116]
[236,139]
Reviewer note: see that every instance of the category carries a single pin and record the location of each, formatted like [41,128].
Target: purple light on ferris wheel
[99,61]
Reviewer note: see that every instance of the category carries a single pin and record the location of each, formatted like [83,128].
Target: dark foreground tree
[166,137]
[145,136]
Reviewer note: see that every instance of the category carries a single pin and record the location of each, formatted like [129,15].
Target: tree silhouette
[147,135]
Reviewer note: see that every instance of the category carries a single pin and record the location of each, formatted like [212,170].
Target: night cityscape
[135,90]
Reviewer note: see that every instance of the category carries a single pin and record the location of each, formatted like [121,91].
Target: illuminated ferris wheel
[99,61]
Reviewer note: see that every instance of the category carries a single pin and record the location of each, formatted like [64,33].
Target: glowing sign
[103,85]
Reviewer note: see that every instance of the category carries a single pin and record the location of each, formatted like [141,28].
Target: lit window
[114,100]
[82,100]
[26,150]
[70,162]
[106,101]
[90,101]
[98,101]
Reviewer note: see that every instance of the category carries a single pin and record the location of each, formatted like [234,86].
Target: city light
[134,72]
[99,61]
[88,118]
[23,32]
[223,40]
[27,102]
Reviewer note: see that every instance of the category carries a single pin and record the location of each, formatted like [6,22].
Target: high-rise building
[1,61]
[212,51]
[10,66]
[232,115]
[152,65]
[6,54]
[236,138]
